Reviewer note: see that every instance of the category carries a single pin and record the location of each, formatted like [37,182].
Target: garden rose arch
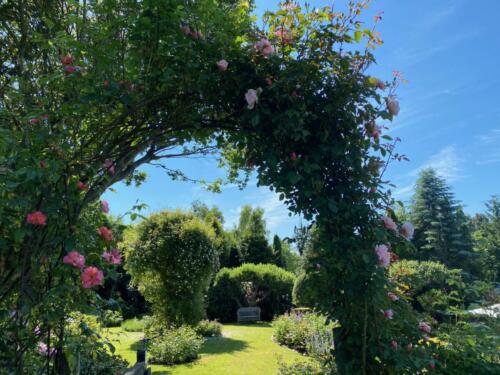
[91,91]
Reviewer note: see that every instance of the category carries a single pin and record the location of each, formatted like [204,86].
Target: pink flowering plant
[117,88]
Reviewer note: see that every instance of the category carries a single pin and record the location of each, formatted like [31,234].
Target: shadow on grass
[212,346]
[220,345]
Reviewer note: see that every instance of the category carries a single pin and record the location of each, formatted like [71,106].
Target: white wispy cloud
[490,151]
[447,163]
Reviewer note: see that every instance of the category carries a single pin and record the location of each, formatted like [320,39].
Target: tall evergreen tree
[277,251]
[252,236]
[441,230]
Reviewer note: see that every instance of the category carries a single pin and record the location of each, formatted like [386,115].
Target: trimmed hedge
[263,285]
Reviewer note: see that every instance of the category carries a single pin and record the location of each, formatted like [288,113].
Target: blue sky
[449,51]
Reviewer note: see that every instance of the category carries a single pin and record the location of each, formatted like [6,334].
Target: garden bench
[248,314]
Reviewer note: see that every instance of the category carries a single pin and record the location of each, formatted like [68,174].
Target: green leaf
[358,35]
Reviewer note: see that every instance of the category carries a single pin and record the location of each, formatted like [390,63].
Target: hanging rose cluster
[90,275]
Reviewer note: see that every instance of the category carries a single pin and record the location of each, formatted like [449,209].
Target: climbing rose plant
[90,91]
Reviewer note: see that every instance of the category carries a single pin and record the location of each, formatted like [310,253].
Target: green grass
[133,325]
[242,350]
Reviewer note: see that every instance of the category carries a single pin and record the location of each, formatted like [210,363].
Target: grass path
[242,350]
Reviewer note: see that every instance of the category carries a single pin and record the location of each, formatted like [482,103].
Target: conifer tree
[277,251]
[441,230]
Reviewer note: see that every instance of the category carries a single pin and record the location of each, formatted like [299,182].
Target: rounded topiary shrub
[264,285]
[171,258]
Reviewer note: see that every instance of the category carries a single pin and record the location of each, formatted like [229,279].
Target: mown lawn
[243,349]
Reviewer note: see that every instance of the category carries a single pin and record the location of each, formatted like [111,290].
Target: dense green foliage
[177,345]
[208,328]
[486,238]
[171,258]
[302,368]
[305,332]
[263,285]
[441,232]
[92,90]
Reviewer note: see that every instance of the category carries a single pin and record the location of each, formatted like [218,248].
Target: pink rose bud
[293,156]
[34,121]
[393,106]
[75,259]
[82,186]
[222,65]
[67,60]
[389,314]
[252,98]
[392,296]
[394,344]
[407,231]
[105,233]
[105,207]
[42,164]
[36,218]
[389,223]
[424,327]
[383,254]
[69,69]
[269,81]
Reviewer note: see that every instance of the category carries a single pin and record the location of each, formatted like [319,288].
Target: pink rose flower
[34,121]
[105,207]
[407,231]
[69,69]
[389,223]
[196,35]
[265,47]
[82,186]
[393,106]
[112,257]
[383,254]
[252,98]
[109,166]
[222,65]
[424,327]
[380,85]
[286,36]
[91,276]
[75,259]
[389,314]
[392,296]
[36,218]
[43,349]
[293,156]
[67,60]
[105,233]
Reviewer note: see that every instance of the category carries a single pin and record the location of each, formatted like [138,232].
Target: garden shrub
[96,355]
[469,348]
[305,332]
[431,286]
[111,318]
[171,258]
[176,345]
[308,291]
[208,328]
[263,285]
[301,368]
